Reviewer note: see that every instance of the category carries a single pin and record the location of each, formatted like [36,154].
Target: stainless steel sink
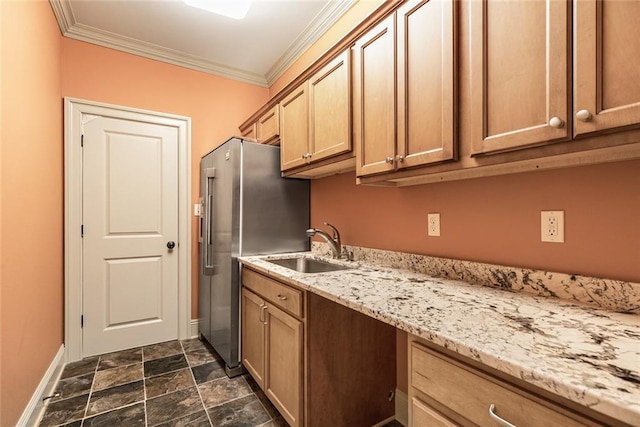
[308,265]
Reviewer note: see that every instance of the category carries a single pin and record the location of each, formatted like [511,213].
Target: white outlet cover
[552,226]
[433,224]
[196,209]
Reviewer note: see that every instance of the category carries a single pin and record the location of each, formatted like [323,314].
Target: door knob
[171,245]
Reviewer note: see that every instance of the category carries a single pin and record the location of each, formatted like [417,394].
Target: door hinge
[82,230]
[82,140]
[82,321]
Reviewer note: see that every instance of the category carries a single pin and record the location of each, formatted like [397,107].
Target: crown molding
[74,30]
[320,24]
[152,51]
[64,14]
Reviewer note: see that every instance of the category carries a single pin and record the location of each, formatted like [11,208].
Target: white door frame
[73,111]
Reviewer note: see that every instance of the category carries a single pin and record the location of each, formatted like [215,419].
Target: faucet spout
[334,242]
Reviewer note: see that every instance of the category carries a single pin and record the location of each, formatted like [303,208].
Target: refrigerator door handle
[210,174]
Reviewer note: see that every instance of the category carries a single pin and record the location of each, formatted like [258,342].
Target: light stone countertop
[587,355]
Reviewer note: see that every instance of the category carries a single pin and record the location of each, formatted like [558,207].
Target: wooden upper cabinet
[268,126]
[519,73]
[249,132]
[607,83]
[294,128]
[427,31]
[415,70]
[374,112]
[330,104]
[315,118]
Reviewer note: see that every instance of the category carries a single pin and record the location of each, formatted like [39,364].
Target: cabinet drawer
[283,296]
[425,416]
[470,393]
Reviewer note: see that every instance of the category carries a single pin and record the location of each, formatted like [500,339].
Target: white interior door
[129,216]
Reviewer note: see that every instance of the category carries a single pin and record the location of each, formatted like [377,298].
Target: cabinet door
[330,103]
[426,82]
[519,73]
[253,335]
[294,128]
[268,126]
[374,112]
[422,415]
[607,83]
[249,132]
[284,364]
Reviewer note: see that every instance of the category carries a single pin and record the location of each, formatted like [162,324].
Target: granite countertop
[587,355]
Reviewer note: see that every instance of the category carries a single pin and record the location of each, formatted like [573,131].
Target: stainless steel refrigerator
[247,208]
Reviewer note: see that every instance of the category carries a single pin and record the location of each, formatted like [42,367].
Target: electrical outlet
[197,209]
[433,224]
[552,226]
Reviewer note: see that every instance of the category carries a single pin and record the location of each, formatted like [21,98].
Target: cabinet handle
[583,115]
[556,122]
[389,160]
[263,307]
[400,158]
[498,419]
[281,297]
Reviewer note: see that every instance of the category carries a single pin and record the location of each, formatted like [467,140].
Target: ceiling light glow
[236,9]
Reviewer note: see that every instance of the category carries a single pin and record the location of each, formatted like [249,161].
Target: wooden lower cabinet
[424,415]
[320,363]
[272,353]
[444,391]
[283,383]
[253,335]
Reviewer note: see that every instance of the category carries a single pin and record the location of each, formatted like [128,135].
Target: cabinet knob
[556,122]
[583,115]
[400,158]
[389,160]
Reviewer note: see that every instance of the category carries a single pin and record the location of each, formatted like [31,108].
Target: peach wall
[497,219]
[32,202]
[216,105]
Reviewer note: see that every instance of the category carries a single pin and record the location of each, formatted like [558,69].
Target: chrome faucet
[334,242]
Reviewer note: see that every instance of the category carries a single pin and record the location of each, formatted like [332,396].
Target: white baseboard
[402,408]
[195,328]
[35,409]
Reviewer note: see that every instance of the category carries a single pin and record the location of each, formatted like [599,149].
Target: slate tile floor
[176,383]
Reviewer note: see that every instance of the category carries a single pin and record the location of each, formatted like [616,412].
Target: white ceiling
[256,49]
